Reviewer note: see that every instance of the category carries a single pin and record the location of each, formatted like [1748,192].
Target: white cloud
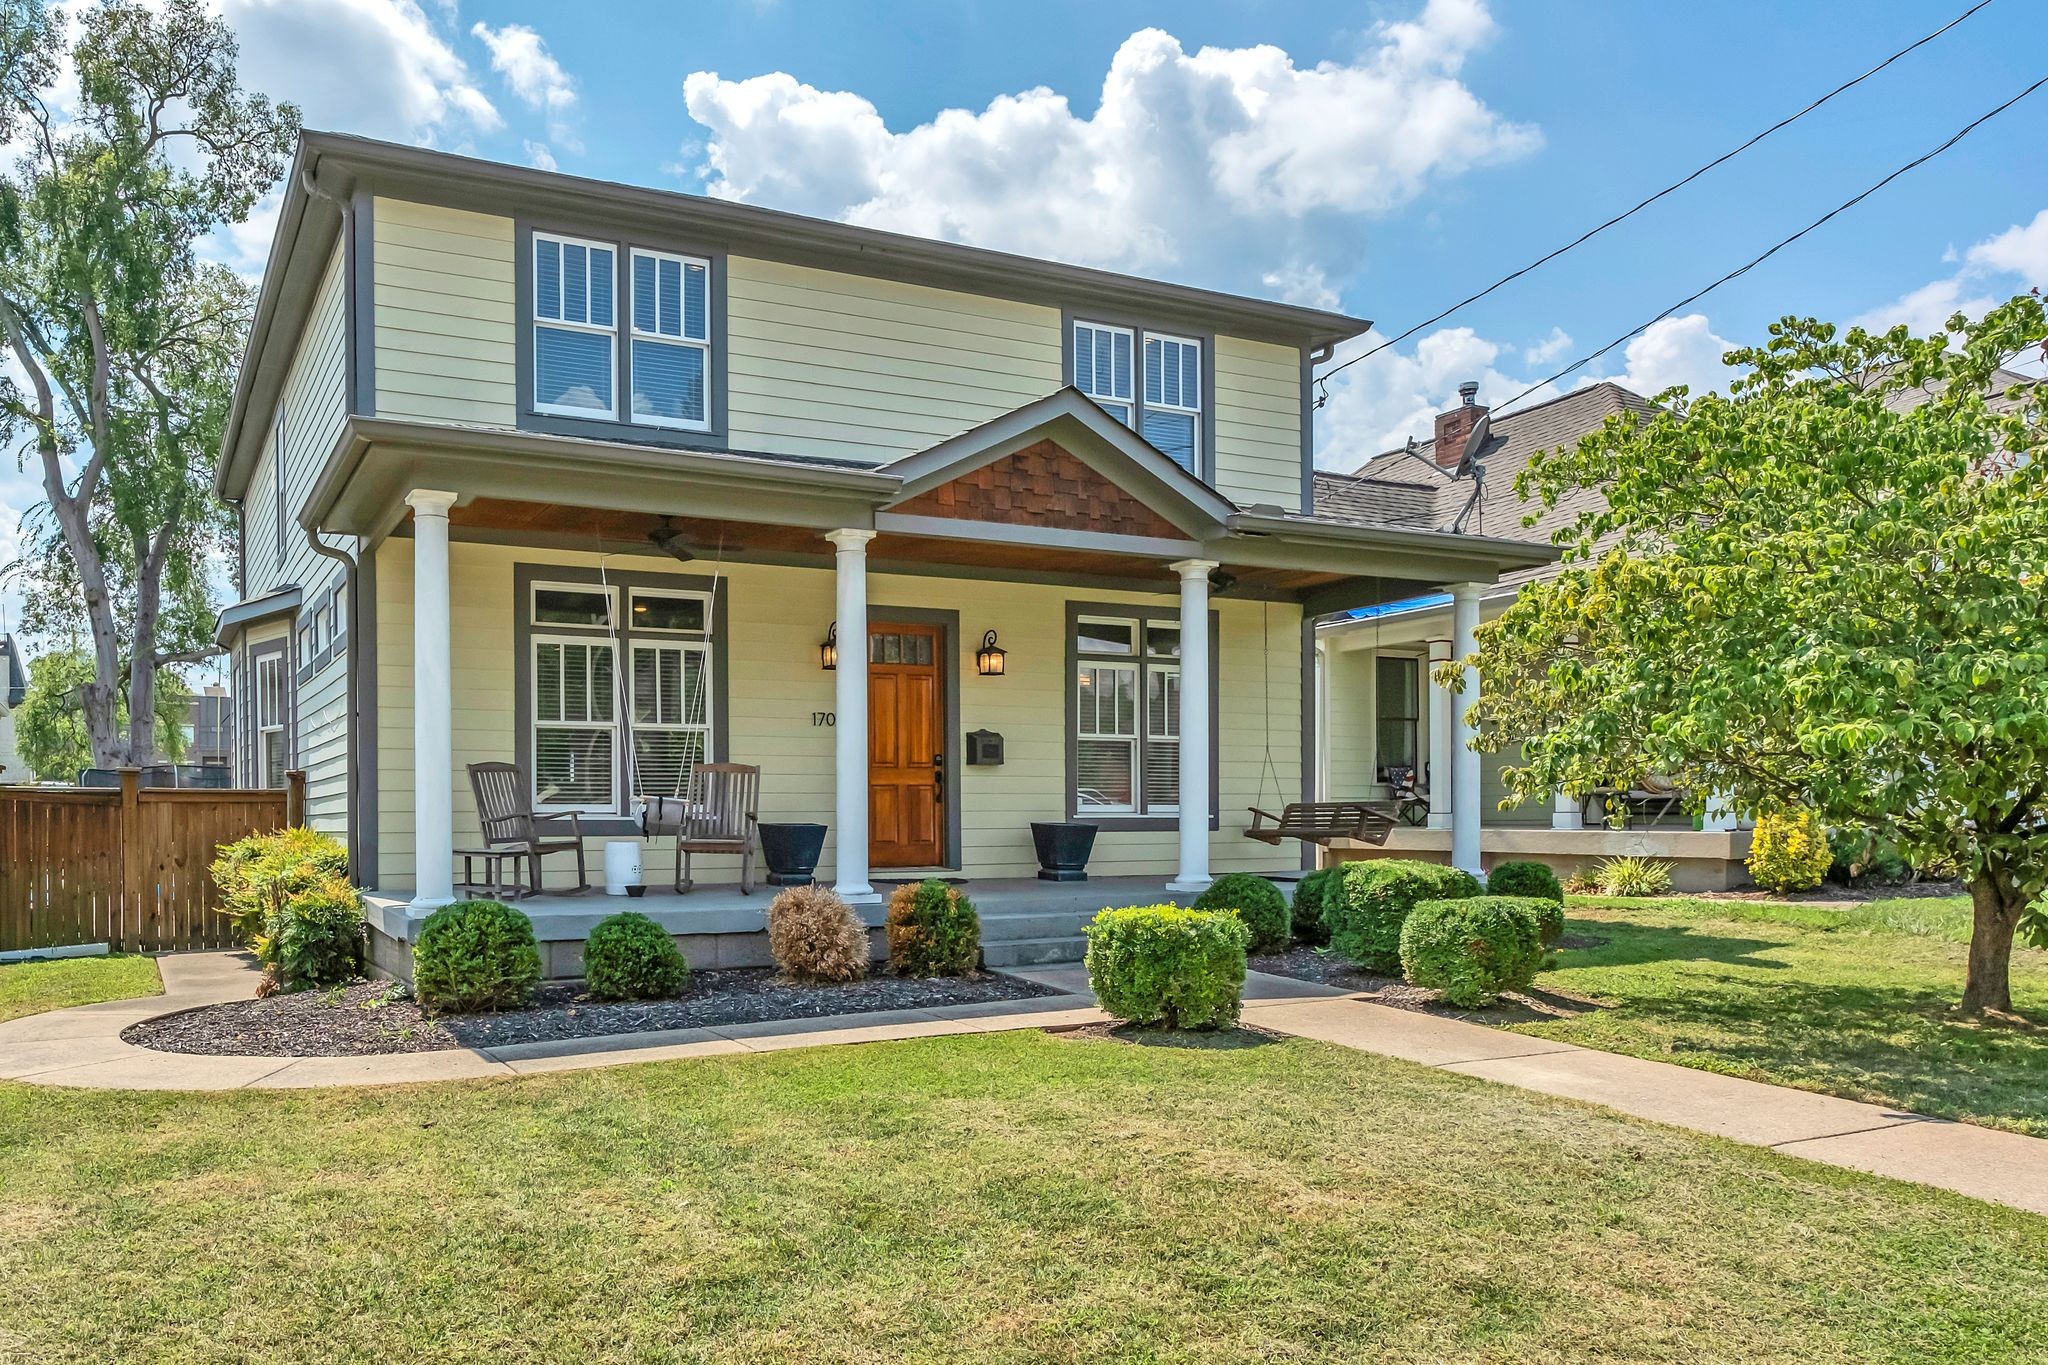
[376,67]
[1988,274]
[521,56]
[1379,403]
[1232,166]
[539,157]
[1550,348]
[1671,351]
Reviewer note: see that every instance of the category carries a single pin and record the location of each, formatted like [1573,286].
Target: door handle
[938,776]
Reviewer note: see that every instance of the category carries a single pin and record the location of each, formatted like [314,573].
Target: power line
[1675,185]
[1752,264]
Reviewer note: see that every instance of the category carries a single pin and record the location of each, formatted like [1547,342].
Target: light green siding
[445,327]
[821,363]
[1258,423]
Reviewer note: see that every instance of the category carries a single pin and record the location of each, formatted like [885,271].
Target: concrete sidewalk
[82,1047]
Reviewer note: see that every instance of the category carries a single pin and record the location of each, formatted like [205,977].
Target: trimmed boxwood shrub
[1372,899]
[1549,917]
[933,930]
[630,957]
[1160,964]
[1312,893]
[475,955]
[1525,879]
[1260,904]
[315,937]
[1472,949]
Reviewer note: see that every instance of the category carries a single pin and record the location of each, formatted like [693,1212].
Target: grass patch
[60,983]
[1002,1197]
[1855,1002]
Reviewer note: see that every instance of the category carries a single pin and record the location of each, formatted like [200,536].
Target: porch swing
[1312,822]
[711,808]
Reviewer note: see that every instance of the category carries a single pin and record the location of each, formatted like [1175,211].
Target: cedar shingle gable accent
[1041,485]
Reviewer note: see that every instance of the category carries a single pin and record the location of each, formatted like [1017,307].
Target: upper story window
[574,327]
[671,351]
[1152,383]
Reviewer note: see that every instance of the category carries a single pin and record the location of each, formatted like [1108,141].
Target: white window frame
[669,632]
[1137,649]
[1170,735]
[270,719]
[1145,405]
[683,645]
[536,723]
[604,590]
[1083,733]
[537,322]
[681,340]
[1098,393]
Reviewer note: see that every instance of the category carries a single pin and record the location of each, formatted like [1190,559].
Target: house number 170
[823,718]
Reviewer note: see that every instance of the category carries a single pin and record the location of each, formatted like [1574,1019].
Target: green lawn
[1854,1002]
[60,983]
[1003,1197]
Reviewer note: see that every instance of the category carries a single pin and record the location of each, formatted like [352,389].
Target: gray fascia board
[1495,553]
[242,615]
[776,234]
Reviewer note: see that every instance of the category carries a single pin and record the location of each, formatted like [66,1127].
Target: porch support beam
[850,728]
[1720,817]
[1195,708]
[433,722]
[1465,765]
[1565,812]
[1439,739]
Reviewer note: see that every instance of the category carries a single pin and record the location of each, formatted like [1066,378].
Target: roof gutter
[1498,551]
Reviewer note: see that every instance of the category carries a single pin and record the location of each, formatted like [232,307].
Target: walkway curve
[82,1047]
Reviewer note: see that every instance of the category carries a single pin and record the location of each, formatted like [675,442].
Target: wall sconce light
[828,653]
[989,658]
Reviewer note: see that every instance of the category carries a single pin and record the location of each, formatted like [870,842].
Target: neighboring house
[209,727]
[675,441]
[13,688]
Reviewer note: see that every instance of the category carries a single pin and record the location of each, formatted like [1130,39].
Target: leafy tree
[125,340]
[49,725]
[1827,589]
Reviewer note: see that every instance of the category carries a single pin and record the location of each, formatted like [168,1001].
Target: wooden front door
[906,746]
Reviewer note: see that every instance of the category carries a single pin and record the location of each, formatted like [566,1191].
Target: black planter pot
[1063,848]
[791,852]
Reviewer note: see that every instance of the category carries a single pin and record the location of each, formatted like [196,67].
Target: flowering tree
[1828,589]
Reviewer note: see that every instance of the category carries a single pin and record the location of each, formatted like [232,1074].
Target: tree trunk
[1995,914]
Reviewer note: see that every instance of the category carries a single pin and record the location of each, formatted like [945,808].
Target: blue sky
[1385,157]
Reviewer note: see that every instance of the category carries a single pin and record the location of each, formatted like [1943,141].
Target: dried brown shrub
[815,936]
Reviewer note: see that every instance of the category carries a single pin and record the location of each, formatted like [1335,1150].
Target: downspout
[352,683]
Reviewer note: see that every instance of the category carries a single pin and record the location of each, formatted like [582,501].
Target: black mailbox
[984,748]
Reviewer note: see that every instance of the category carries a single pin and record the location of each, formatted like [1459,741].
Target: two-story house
[596,480]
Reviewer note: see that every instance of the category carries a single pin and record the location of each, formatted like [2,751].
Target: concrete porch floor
[1025,921]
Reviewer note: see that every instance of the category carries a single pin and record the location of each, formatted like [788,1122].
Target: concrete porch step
[1034,924]
[1032,952]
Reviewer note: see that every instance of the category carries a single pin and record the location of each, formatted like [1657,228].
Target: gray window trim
[1205,455]
[616,427]
[525,575]
[1144,615]
[948,622]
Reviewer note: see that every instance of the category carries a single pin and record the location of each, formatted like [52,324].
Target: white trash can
[621,866]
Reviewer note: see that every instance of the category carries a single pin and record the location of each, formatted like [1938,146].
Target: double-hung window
[1126,716]
[574,327]
[271,700]
[1102,367]
[575,699]
[671,347]
[671,645]
[1151,382]
[1397,712]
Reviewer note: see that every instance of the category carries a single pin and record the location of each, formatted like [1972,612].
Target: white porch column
[433,721]
[1194,725]
[1565,812]
[1719,817]
[1465,771]
[1439,739]
[850,727]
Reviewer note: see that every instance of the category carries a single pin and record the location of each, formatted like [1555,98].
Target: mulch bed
[1515,1007]
[375,1017]
[1200,1040]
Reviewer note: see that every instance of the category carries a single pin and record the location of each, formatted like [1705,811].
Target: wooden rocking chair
[1318,822]
[719,816]
[506,813]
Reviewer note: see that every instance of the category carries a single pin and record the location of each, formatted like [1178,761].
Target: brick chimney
[1454,426]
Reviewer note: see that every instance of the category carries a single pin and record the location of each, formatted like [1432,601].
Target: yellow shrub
[1789,851]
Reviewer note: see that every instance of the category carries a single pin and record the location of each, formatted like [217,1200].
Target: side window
[574,326]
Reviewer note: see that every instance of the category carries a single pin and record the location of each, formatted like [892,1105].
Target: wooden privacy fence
[127,867]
